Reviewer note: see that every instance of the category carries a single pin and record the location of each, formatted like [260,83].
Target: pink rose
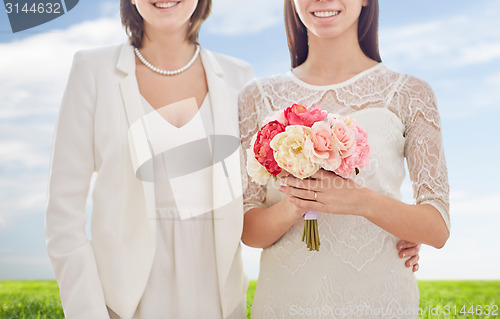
[278,116]
[362,141]
[360,158]
[262,149]
[298,114]
[324,147]
[344,170]
[343,130]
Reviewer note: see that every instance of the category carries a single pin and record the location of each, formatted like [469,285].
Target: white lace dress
[357,272]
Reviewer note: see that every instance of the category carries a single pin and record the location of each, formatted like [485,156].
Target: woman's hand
[325,192]
[294,212]
[410,251]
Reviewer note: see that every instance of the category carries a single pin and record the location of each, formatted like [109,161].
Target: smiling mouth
[165,5]
[325,14]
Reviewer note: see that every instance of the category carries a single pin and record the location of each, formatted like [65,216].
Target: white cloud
[110,9]
[48,55]
[473,238]
[458,54]
[26,265]
[231,17]
[469,94]
[25,140]
[487,93]
[469,253]
[17,153]
[460,261]
[494,80]
[34,69]
[450,42]
[2,222]
[472,205]
[479,53]
[32,261]
[22,194]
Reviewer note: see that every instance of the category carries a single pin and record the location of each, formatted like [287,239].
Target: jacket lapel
[133,108]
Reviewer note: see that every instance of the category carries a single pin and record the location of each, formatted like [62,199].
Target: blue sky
[455,47]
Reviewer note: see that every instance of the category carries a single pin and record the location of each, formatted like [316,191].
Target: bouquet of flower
[300,141]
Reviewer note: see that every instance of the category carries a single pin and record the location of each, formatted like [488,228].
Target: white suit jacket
[101,101]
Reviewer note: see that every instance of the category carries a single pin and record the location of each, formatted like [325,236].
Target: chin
[333,31]
[169,26]
[327,34]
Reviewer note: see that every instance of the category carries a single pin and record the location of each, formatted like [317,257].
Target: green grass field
[40,299]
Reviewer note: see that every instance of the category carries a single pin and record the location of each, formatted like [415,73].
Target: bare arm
[416,223]
[262,227]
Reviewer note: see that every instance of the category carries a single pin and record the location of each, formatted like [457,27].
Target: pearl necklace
[165,72]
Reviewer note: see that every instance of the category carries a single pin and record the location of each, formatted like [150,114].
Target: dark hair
[296,33]
[134,24]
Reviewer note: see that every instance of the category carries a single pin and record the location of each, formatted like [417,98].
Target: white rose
[291,153]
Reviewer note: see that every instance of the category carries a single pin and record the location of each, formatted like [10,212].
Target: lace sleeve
[423,146]
[250,98]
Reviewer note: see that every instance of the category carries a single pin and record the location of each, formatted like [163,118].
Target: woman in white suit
[158,249]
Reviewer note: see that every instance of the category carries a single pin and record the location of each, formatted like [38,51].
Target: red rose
[262,149]
[298,114]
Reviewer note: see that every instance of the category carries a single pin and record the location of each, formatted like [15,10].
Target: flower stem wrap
[310,234]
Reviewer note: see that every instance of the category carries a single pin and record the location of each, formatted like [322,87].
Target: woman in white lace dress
[357,273]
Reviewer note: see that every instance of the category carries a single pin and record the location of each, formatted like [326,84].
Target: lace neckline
[298,81]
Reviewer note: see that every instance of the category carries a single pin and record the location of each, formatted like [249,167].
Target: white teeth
[163,5]
[325,14]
